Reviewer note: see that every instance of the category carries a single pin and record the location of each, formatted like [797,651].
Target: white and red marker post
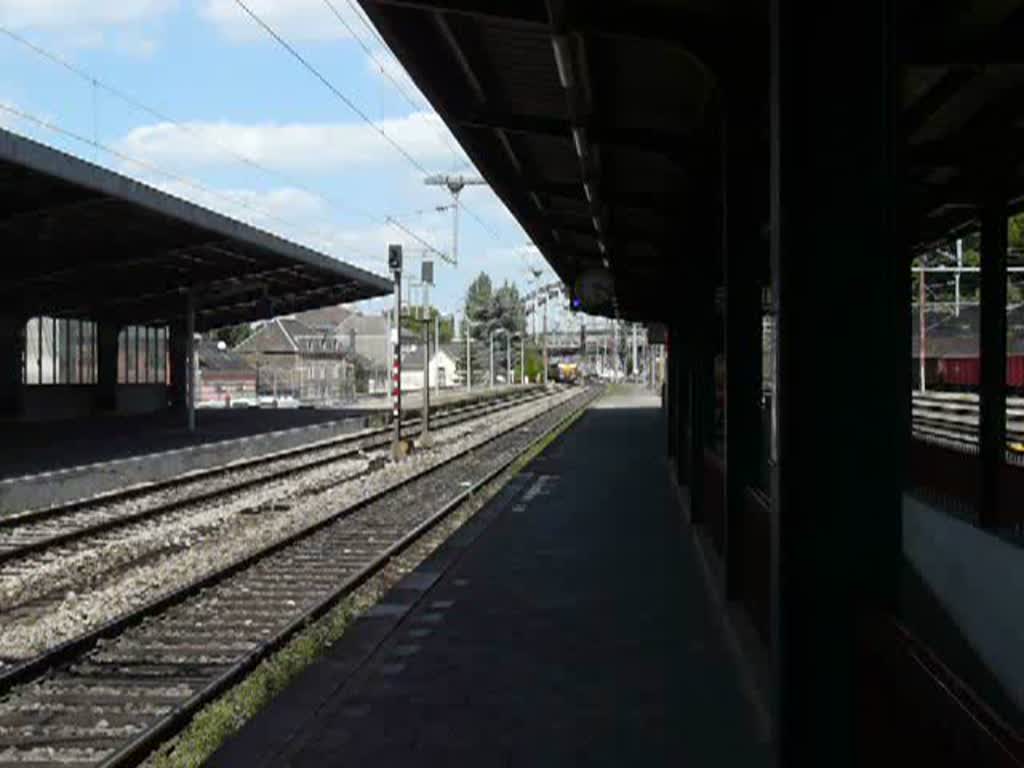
[395,264]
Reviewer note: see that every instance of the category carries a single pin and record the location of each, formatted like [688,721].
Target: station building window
[59,350]
[142,355]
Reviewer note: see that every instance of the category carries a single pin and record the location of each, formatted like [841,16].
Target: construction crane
[455,185]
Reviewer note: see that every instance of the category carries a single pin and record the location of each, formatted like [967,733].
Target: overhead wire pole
[455,185]
[508,358]
[427,278]
[522,360]
[544,330]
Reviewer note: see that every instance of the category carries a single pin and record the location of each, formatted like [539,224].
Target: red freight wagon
[960,371]
[965,372]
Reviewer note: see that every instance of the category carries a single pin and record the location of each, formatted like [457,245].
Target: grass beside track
[222,718]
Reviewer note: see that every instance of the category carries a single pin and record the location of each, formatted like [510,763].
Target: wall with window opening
[60,350]
[142,355]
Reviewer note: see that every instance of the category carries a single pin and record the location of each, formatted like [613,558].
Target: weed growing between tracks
[225,716]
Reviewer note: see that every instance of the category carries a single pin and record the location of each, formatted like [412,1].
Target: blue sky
[237,99]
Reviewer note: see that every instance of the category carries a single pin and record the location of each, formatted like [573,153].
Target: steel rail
[373,441]
[67,651]
[136,751]
[141,489]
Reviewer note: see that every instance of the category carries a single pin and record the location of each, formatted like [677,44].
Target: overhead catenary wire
[396,223]
[331,87]
[357,11]
[417,108]
[306,64]
[373,58]
[487,227]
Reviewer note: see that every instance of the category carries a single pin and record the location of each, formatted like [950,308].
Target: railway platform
[568,623]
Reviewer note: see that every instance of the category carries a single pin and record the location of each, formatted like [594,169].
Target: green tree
[509,309]
[479,306]
[413,319]
[232,335]
[488,310]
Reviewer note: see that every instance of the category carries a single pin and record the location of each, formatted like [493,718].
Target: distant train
[566,373]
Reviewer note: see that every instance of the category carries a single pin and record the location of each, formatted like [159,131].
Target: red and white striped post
[395,264]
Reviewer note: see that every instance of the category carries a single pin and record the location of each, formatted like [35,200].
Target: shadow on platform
[567,624]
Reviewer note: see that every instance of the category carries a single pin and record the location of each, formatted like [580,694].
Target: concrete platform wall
[979,579]
[141,398]
[53,402]
[63,485]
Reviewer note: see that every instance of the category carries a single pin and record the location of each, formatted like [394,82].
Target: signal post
[395,265]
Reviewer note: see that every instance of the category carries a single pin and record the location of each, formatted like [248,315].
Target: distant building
[325,319]
[293,359]
[225,378]
[324,355]
[443,368]
[370,337]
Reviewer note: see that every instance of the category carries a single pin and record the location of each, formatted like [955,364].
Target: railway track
[110,696]
[951,419]
[30,532]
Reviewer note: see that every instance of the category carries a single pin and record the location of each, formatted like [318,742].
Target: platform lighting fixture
[536,201]
[557,237]
[580,141]
[560,44]
[597,223]
[602,247]
[588,192]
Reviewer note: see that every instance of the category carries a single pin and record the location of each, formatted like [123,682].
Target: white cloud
[302,217]
[303,147]
[293,19]
[79,14]
[139,47]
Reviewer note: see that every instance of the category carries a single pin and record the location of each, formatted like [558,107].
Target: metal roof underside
[648,81]
[82,241]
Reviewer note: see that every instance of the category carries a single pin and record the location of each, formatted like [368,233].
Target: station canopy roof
[599,123]
[81,241]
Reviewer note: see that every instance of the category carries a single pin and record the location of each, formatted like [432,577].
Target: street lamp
[469,353]
[494,333]
[522,357]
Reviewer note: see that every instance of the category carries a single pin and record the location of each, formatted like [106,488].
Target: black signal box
[395,257]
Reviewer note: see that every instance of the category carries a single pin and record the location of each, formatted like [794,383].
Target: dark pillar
[106,379]
[681,398]
[992,426]
[178,352]
[677,394]
[669,401]
[701,384]
[837,492]
[743,252]
[12,361]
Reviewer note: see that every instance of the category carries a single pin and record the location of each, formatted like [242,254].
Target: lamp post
[469,353]
[494,333]
[522,357]
[508,358]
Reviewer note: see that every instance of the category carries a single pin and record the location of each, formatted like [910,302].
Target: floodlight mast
[455,185]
